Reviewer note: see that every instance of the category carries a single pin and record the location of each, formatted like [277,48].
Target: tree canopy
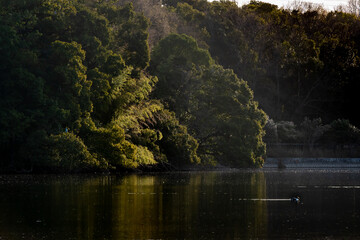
[217,107]
[300,62]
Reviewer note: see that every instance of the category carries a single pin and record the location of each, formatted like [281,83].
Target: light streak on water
[266,199]
[332,187]
[344,187]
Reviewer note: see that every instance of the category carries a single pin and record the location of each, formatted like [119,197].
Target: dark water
[207,205]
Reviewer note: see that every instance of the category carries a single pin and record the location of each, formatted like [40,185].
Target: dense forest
[115,85]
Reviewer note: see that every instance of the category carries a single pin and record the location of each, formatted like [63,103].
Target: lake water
[206,205]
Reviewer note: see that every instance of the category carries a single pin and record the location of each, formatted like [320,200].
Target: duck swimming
[295,199]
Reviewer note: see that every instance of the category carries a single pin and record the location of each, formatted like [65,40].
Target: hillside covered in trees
[302,63]
[114,85]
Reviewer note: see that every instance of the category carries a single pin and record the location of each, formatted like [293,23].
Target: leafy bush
[144,156]
[287,132]
[341,132]
[271,131]
[68,153]
[312,130]
[110,145]
[178,145]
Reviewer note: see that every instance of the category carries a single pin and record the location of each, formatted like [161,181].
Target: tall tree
[217,107]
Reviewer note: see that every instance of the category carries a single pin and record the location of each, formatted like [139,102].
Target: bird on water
[295,199]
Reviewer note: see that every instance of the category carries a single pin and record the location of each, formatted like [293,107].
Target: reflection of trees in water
[195,205]
[136,207]
[260,211]
[54,207]
[204,205]
[78,207]
[208,205]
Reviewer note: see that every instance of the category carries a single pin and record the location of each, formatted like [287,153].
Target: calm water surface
[206,205]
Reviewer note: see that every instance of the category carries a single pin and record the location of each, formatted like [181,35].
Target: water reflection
[211,205]
[191,206]
[325,213]
[171,206]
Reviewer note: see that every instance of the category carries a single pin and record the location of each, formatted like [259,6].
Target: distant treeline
[312,138]
[300,62]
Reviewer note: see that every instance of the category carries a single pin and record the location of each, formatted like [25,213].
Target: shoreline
[313,162]
[270,163]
